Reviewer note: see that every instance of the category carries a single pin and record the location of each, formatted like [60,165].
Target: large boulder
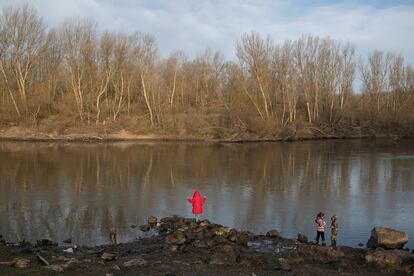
[387,238]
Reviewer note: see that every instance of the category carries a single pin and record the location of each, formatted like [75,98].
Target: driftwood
[7,263]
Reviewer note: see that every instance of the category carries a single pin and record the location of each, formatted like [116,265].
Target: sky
[194,25]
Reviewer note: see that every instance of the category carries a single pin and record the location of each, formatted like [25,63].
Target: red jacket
[197,202]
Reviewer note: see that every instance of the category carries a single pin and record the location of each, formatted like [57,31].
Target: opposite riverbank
[180,246]
[95,134]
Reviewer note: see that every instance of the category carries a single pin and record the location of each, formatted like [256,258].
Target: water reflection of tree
[83,190]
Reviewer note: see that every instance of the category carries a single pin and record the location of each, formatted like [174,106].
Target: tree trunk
[147,100]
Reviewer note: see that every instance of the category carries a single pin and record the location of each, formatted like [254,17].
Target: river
[81,190]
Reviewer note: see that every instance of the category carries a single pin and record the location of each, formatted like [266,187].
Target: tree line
[75,75]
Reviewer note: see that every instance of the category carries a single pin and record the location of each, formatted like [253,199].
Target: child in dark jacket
[320,228]
[197,201]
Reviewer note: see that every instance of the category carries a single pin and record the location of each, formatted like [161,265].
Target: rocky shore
[181,246]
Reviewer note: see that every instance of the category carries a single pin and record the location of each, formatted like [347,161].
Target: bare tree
[78,38]
[144,54]
[254,53]
[22,43]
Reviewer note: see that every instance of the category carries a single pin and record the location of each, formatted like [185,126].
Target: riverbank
[17,133]
[179,246]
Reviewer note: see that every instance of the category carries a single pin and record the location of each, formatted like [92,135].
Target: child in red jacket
[197,202]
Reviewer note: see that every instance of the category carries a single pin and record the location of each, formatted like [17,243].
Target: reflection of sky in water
[82,190]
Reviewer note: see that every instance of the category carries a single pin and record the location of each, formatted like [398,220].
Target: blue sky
[193,25]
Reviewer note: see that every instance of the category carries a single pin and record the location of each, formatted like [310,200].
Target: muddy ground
[180,246]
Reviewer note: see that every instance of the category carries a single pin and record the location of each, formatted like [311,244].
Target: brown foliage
[78,75]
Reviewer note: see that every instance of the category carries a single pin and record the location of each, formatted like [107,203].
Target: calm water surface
[57,190]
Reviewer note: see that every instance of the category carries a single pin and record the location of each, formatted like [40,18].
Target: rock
[61,258]
[176,238]
[109,274]
[388,257]
[145,227]
[210,243]
[205,223]
[253,260]
[282,267]
[68,240]
[115,267]
[189,235]
[46,242]
[42,260]
[222,231]
[55,267]
[302,238]
[200,244]
[244,237]
[136,262]
[94,252]
[21,262]
[26,250]
[71,261]
[233,237]
[167,220]
[220,239]
[173,247]
[208,234]
[68,250]
[193,225]
[224,255]
[199,235]
[387,238]
[273,234]
[178,220]
[133,226]
[108,256]
[152,221]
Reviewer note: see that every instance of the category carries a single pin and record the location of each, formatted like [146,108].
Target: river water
[80,191]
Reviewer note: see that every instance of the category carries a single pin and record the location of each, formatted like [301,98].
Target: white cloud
[194,25]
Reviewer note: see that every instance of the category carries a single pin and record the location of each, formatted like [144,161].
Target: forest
[74,78]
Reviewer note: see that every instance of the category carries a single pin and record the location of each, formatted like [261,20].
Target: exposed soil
[17,133]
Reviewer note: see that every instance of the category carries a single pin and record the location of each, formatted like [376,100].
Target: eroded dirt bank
[102,134]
